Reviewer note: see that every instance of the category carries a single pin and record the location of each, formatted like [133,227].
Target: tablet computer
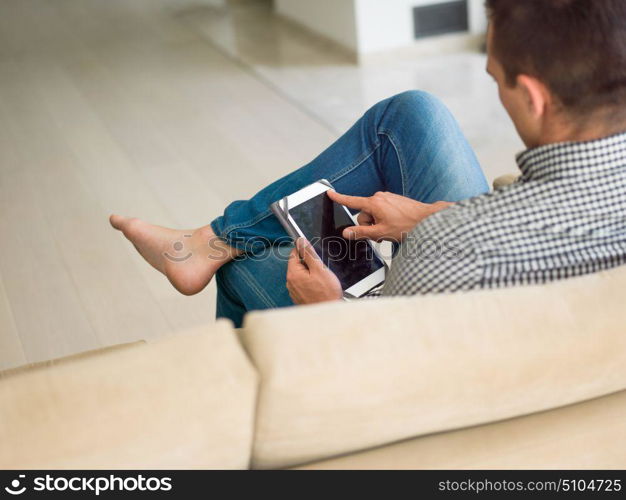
[311,214]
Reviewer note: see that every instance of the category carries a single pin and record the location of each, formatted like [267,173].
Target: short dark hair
[575,47]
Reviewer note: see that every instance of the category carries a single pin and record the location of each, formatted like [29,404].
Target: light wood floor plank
[44,301]
[119,185]
[103,268]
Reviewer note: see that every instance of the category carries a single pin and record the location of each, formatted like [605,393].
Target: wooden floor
[119,106]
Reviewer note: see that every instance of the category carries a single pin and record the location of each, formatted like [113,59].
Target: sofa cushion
[339,377]
[184,401]
[588,435]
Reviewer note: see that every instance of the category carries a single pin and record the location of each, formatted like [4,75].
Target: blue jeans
[409,144]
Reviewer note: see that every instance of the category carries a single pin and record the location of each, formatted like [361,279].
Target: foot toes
[130,226]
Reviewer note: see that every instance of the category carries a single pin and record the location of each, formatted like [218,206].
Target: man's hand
[385,216]
[308,279]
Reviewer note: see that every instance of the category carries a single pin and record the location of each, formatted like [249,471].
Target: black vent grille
[437,19]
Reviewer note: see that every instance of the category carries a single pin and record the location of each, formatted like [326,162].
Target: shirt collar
[568,159]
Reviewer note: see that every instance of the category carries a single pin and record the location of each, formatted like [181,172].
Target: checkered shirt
[564,217]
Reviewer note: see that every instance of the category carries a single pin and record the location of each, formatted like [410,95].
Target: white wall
[367,26]
[335,19]
[477,16]
[388,24]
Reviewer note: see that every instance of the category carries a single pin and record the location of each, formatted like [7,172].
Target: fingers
[362,233]
[365,219]
[308,254]
[356,202]
[295,263]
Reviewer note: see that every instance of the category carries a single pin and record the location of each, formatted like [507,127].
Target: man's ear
[538,96]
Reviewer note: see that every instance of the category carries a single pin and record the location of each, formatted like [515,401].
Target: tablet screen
[322,221]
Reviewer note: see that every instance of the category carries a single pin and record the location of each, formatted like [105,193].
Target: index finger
[356,202]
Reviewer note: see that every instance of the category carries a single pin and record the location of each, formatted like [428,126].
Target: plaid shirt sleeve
[436,257]
[564,217]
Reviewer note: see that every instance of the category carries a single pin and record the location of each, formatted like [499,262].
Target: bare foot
[189,259]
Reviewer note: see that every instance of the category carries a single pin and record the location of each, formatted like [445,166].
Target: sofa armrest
[505,180]
[183,401]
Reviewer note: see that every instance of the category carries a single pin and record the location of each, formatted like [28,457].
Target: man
[560,66]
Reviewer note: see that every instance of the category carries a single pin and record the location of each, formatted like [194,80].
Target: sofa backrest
[184,401]
[337,378]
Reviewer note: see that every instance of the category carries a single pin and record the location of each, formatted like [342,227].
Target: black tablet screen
[322,221]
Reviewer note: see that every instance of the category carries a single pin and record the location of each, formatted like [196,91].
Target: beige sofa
[531,377]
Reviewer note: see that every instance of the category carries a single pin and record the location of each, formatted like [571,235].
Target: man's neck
[576,130]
